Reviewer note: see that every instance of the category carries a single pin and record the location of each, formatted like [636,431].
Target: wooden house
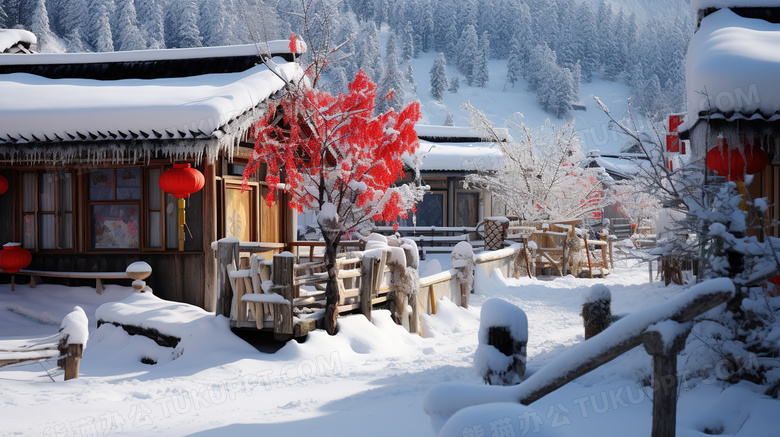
[733,63]
[85,137]
[446,155]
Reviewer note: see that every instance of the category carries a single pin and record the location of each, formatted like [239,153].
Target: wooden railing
[58,346]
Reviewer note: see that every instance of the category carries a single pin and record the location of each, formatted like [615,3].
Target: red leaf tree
[340,159]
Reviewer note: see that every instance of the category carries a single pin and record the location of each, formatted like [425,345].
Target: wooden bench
[36,275]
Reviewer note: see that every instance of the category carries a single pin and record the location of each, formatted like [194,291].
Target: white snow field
[369,379]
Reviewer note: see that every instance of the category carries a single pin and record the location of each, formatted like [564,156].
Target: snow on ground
[370,378]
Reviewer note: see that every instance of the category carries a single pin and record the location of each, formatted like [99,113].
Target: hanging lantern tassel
[181,181]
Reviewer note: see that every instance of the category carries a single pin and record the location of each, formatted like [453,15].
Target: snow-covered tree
[390,46]
[541,178]
[454,84]
[410,78]
[515,65]
[449,119]
[213,23]
[126,32]
[368,52]
[151,17]
[98,33]
[438,74]
[390,93]
[37,21]
[481,72]
[408,52]
[467,53]
[184,25]
[339,160]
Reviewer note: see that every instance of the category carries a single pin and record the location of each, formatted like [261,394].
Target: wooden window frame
[36,213]
[89,203]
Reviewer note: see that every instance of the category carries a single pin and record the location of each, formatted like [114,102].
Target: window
[114,207]
[466,208]
[47,210]
[163,219]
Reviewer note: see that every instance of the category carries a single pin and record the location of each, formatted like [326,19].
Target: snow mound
[498,312]
[502,418]
[449,319]
[598,292]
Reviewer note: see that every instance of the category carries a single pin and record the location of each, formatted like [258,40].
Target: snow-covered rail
[67,346]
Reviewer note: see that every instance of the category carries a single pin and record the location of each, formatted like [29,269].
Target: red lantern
[13,258]
[3,184]
[181,180]
[733,164]
[775,280]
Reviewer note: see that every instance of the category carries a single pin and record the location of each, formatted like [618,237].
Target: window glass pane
[28,192]
[467,209]
[155,238]
[66,192]
[46,192]
[46,231]
[66,231]
[115,226]
[171,222]
[28,231]
[430,212]
[238,210]
[128,183]
[154,188]
[101,184]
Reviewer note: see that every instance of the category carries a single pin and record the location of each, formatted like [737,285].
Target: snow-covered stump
[664,341]
[596,310]
[495,232]
[75,333]
[462,259]
[503,335]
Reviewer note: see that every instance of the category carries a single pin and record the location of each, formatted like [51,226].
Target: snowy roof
[736,62]
[12,37]
[467,157]
[697,5]
[615,167]
[183,117]
[456,134]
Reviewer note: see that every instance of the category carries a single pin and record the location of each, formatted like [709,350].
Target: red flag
[674,122]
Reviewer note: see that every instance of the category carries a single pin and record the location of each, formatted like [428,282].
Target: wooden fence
[58,346]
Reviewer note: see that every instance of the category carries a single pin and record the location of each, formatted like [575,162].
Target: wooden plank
[283,280]
[352,273]
[210,209]
[226,253]
[72,361]
[367,285]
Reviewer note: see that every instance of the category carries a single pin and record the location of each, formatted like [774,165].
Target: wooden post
[650,269]
[414,317]
[283,271]
[209,234]
[72,360]
[367,270]
[227,252]
[611,259]
[665,377]
[587,253]
[432,297]
[596,311]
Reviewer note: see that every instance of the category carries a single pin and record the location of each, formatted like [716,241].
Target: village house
[85,138]
[733,63]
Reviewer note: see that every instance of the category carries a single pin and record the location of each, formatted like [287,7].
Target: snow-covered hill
[519,104]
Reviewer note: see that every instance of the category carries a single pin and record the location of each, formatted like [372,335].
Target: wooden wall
[7,209]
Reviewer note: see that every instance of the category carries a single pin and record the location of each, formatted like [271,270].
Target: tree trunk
[332,240]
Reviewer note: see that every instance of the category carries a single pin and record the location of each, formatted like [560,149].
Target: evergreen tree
[468,51]
[410,78]
[184,25]
[150,15]
[339,80]
[127,35]
[11,9]
[449,120]
[38,22]
[99,27]
[617,52]
[454,84]
[3,18]
[408,49]
[368,54]
[390,47]
[587,35]
[427,26]
[481,73]
[213,23]
[393,83]
[438,75]
[514,67]
[380,12]
[604,23]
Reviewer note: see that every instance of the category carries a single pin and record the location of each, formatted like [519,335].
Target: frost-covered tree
[3,18]
[438,75]
[467,53]
[541,178]
[454,85]
[407,54]
[37,22]
[587,34]
[184,25]
[481,69]
[368,53]
[410,78]
[98,33]
[515,64]
[449,119]
[213,23]
[390,93]
[126,32]
[390,46]
[340,160]
[151,18]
